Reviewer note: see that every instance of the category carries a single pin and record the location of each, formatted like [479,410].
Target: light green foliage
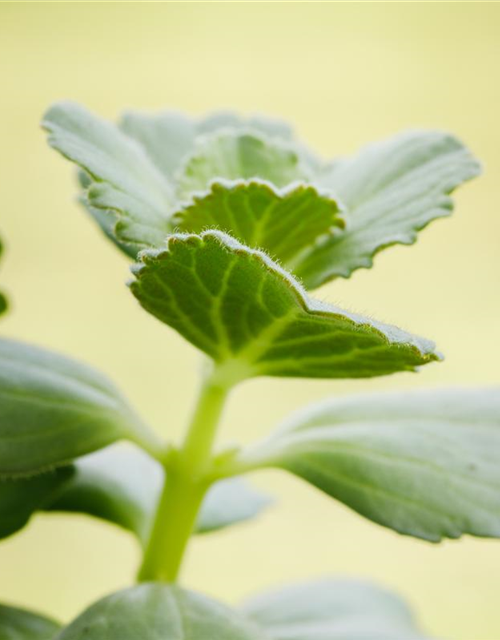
[283,222]
[123,486]
[19,624]
[241,308]
[332,609]
[424,463]
[160,611]
[53,409]
[391,190]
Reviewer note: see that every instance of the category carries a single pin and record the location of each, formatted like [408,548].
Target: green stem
[185,486]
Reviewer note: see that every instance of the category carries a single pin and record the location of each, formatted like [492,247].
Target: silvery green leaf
[253,318]
[392,190]
[54,409]
[20,624]
[156,611]
[333,609]
[123,486]
[283,222]
[124,179]
[424,463]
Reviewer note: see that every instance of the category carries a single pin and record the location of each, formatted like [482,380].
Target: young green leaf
[124,180]
[53,409]
[283,222]
[19,624]
[333,609]
[123,486]
[155,611]
[424,463]
[21,497]
[235,155]
[247,313]
[392,190]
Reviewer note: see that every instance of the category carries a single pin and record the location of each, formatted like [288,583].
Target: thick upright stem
[185,487]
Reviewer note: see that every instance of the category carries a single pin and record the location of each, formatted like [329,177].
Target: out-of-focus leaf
[19,624]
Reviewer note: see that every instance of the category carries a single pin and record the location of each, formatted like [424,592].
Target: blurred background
[345,74]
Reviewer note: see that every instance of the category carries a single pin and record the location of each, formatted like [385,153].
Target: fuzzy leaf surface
[243,310]
[392,190]
[19,624]
[123,486]
[282,222]
[239,155]
[152,611]
[124,180]
[424,463]
[54,409]
[333,609]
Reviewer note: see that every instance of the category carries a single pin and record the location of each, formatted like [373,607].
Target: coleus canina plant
[230,223]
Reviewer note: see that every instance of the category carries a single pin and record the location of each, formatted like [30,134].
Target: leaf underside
[54,409]
[424,463]
[241,308]
[282,222]
[19,624]
[333,609]
[392,190]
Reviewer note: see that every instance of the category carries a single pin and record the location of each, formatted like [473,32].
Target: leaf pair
[155,175]
[424,463]
[333,609]
[53,411]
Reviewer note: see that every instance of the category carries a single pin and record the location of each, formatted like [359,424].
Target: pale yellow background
[345,74]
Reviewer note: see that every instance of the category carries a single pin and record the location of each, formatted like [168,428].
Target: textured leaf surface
[124,179]
[236,156]
[392,190]
[333,609]
[21,497]
[283,222]
[19,624]
[123,486]
[53,409]
[159,611]
[424,463]
[240,308]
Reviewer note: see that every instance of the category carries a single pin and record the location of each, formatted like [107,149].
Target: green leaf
[248,314]
[53,409]
[123,486]
[125,180]
[157,611]
[283,222]
[20,498]
[19,624]
[424,463]
[333,609]
[169,137]
[235,155]
[392,190]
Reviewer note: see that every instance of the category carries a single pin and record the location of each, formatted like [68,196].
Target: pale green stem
[185,486]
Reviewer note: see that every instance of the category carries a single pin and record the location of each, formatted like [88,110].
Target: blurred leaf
[21,497]
[333,609]
[53,409]
[392,189]
[123,486]
[159,611]
[280,221]
[19,624]
[240,308]
[234,156]
[424,463]
[124,179]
